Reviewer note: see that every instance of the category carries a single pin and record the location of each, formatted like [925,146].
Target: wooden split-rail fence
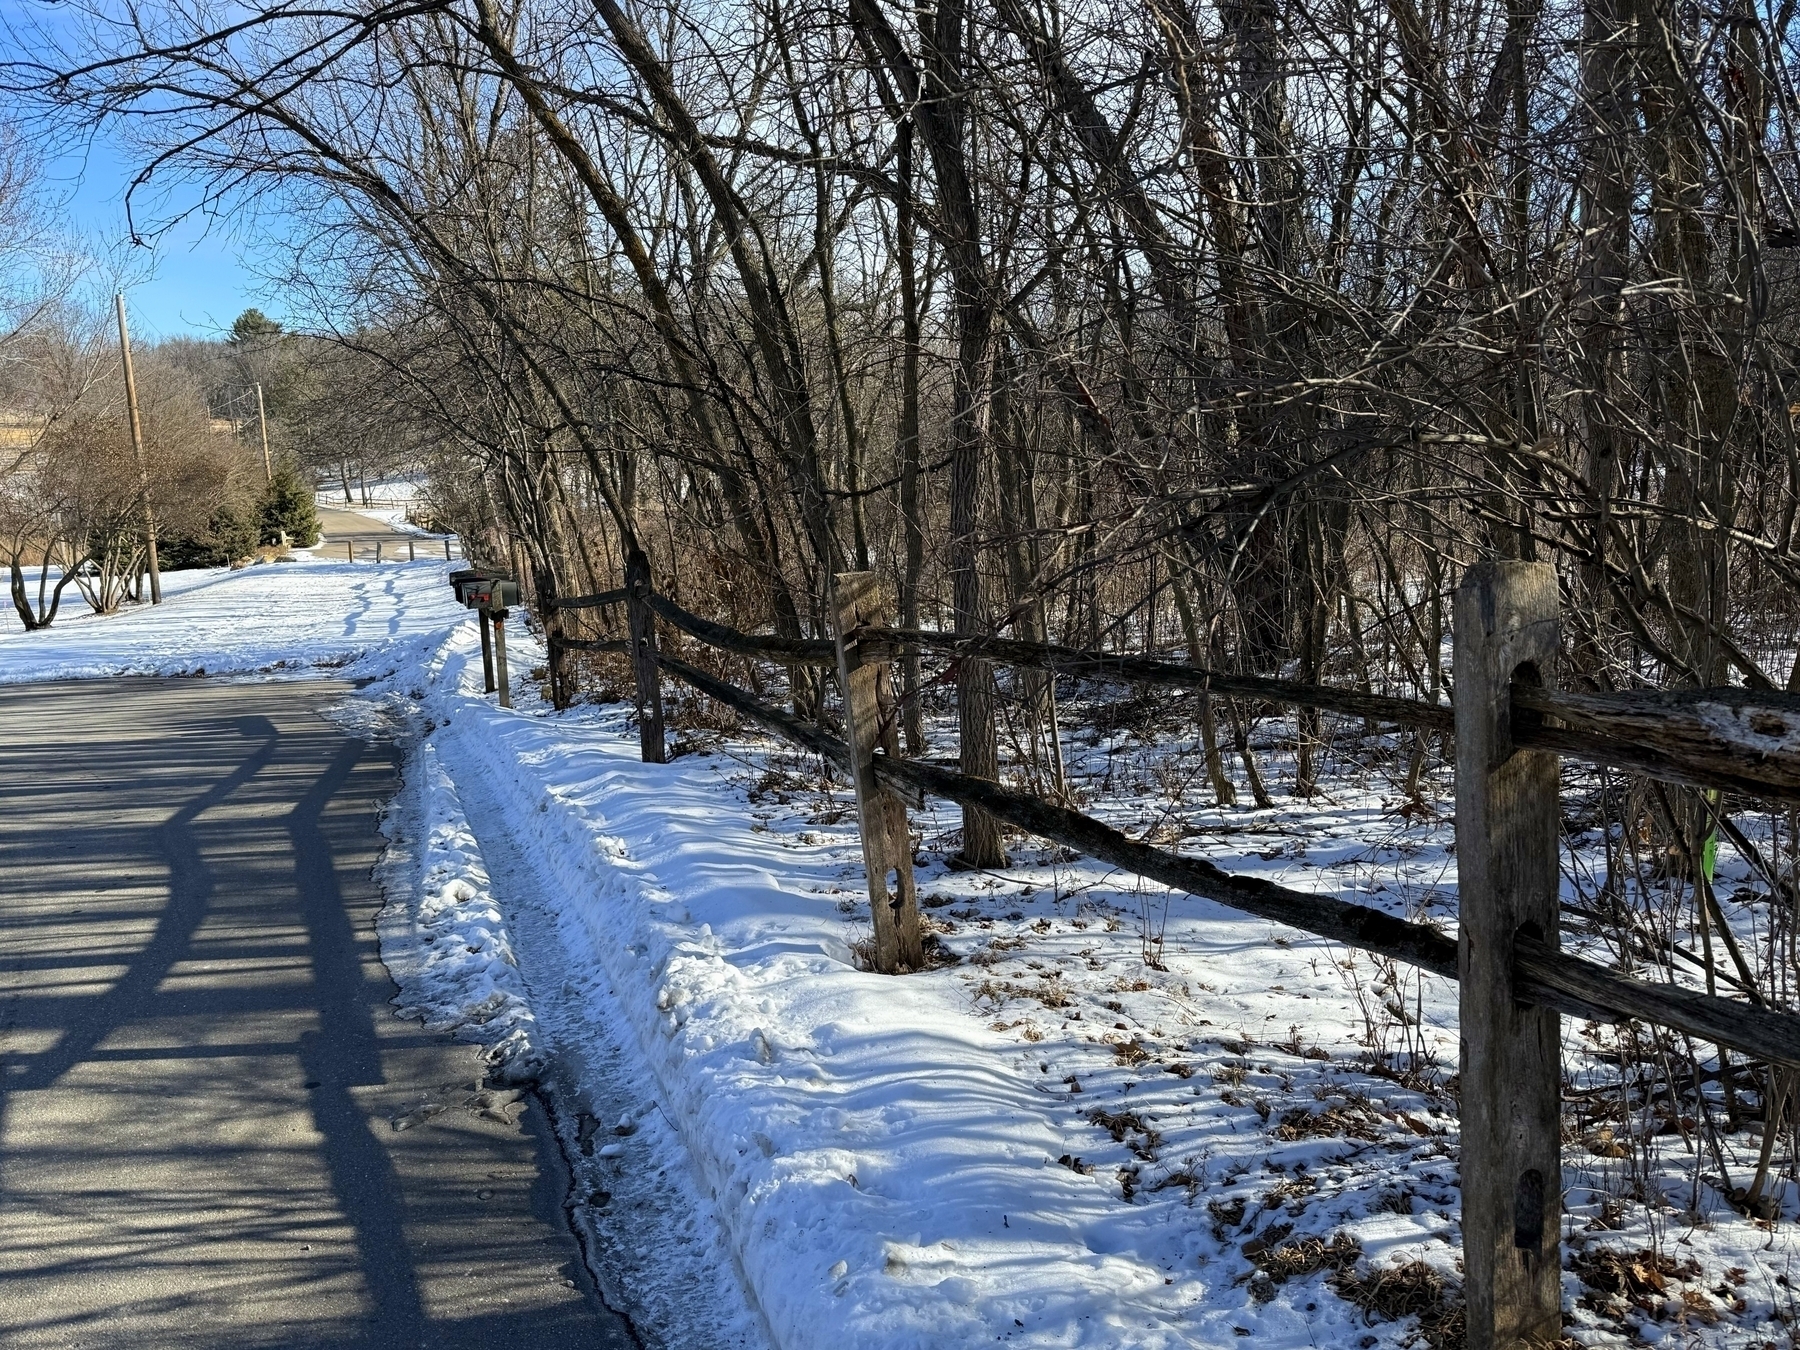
[1510,729]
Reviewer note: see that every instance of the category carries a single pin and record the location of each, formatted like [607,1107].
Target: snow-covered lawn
[296,615]
[1108,1117]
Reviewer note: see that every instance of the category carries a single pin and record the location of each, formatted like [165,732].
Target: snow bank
[444,938]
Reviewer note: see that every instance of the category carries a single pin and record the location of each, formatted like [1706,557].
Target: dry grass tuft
[1225,1214]
[1049,993]
[1278,1262]
[1334,1122]
[1130,1129]
[1410,1290]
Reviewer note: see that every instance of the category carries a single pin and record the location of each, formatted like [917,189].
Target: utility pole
[262,421]
[137,448]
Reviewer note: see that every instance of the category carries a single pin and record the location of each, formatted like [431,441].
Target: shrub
[229,534]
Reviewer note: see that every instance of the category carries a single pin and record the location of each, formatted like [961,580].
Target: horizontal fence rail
[1148,670]
[1739,740]
[600,601]
[787,651]
[1543,976]
[1743,740]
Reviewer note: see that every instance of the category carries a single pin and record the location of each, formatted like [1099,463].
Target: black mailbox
[484,588]
[461,580]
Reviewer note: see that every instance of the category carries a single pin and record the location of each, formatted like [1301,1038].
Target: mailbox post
[490,595]
[500,658]
[471,586]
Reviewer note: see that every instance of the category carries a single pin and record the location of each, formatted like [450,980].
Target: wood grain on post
[487,653]
[1506,853]
[646,678]
[857,602]
[500,676]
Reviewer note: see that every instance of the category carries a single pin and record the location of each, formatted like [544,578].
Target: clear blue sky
[197,276]
[194,280]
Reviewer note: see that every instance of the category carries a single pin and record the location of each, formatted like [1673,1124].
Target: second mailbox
[490,593]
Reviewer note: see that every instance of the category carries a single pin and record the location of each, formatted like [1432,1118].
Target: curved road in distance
[363,535]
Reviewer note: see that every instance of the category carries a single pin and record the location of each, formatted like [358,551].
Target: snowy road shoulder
[471,935]
[443,936]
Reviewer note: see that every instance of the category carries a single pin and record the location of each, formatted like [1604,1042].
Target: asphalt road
[199,1066]
[366,538]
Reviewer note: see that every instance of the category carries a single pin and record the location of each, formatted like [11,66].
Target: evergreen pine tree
[288,508]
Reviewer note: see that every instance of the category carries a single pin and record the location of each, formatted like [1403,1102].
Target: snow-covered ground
[1109,1117]
[297,615]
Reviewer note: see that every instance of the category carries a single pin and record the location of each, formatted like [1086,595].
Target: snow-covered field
[1110,1117]
[297,615]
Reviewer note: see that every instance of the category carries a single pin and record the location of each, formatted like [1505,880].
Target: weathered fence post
[378,550]
[1506,853]
[412,553]
[349,551]
[857,601]
[487,653]
[505,684]
[645,677]
[446,548]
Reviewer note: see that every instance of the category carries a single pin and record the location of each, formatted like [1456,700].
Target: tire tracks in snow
[653,1239]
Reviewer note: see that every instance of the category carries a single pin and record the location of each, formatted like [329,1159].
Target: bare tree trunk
[1608,28]
[933,89]
[912,518]
[1224,791]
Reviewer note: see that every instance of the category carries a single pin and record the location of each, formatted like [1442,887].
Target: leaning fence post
[505,684]
[645,676]
[857,602]
[1506,853]
[487,653]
